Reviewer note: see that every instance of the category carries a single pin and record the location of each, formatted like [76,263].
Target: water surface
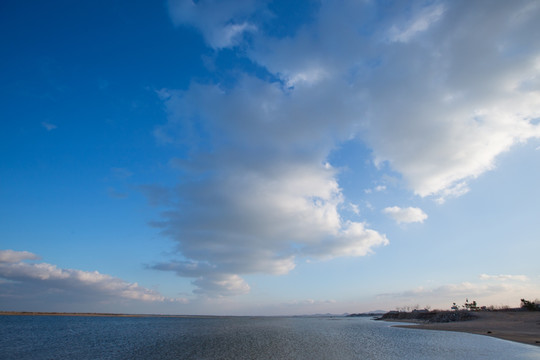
[73,337]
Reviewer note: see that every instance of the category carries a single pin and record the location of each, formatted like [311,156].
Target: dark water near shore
[57,337]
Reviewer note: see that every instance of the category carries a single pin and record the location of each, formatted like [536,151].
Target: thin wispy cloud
[422,19]
[48,126]
[503,277]
[121,173]
[377,188]
[222,23]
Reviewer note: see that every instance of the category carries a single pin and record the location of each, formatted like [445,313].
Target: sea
[81,337]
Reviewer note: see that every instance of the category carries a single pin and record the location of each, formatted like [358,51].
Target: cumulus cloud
[438,108]
[264,194]
[405,215]
[437,94]
[447,119]
[46,280]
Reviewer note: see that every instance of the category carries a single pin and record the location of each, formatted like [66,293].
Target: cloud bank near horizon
[437,92]
[22,282]
[487,290]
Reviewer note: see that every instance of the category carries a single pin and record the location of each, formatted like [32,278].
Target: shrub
[529,305]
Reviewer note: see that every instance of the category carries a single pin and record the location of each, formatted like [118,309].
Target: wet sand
[519,326]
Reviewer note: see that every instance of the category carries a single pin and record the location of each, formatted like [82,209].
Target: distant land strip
[40,313]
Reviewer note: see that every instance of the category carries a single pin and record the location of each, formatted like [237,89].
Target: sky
[268,157]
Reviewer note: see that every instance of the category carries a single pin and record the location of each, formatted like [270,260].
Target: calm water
[50,337]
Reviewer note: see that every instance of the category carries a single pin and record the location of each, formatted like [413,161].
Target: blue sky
[268,157]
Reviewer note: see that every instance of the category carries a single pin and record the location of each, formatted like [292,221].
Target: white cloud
[353,240]
[208,281]
[455,190]
[270,195]
[221,285]
[406,215]
[11,256]
[308,77]
[440,116]
[354,208]
[437,105]
[45,280]
[230,33]
[440,109]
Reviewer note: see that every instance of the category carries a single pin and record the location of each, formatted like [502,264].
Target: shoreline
[517,326]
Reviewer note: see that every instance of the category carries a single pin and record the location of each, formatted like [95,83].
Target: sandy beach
[519,326]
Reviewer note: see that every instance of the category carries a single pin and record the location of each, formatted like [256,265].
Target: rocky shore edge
[426,316]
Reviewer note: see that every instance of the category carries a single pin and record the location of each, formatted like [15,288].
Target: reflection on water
[50,337]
